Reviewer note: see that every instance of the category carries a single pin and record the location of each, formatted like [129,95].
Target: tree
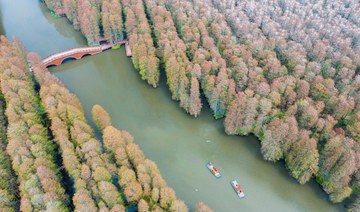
[109,194]
[126,176]
[236,115]
[102,174]
[308,117]
[167,197]
[274,133]
[133,192]
[337,163]
[143,206]
[339,195]
[71,11]
[178,206]
[201,207]
[303,159]
[195,102]
[53,4]
[303,88]
[134,152]
[152,74]
[89,22]
[113,139]
[100,117]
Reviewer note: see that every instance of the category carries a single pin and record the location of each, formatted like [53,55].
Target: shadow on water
[72,62]
[2,29]
[59,24]
[33,24]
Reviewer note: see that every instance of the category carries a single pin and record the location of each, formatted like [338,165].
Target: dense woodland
[50,157]
[33,155]
[285,71]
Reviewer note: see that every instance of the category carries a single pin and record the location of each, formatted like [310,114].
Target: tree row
[141,42]
[33,155]
[181,77]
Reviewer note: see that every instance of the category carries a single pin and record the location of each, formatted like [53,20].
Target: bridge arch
[86,55]
[68,59]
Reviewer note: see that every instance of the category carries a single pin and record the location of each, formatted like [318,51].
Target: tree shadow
[61,24]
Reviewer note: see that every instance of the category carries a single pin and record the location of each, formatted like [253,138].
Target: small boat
[237,189]
[213,170]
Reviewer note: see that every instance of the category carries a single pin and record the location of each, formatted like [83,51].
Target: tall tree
[303,159]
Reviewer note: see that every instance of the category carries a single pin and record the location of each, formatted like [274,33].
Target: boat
[237,189]
[213,170]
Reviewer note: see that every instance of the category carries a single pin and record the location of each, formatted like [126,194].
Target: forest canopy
[285,71]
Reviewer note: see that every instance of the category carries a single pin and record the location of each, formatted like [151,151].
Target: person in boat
[238,188]
[215,170]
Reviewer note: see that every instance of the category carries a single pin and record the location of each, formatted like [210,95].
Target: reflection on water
[33,24]
[181,145]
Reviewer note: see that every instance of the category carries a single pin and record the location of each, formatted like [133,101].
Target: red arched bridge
[79,52]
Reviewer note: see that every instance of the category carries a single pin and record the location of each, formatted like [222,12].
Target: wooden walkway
[78,52]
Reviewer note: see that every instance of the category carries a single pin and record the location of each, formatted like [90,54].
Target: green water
[181,145]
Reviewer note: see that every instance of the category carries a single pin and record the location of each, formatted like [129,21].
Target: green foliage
[101,174]
[53,14]
[340,195]
[141,42]
[100,117]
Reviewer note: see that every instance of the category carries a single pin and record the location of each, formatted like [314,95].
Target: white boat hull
[234,184]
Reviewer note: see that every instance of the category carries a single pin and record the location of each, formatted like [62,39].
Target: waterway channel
[181,145]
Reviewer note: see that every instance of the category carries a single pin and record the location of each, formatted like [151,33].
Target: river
[181,145]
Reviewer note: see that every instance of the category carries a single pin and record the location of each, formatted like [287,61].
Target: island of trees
[285,71]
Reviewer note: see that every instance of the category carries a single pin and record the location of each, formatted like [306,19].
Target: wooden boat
[237,189]
[213,170]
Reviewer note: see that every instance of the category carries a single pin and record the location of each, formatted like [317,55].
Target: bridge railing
[81,49]
[69,52]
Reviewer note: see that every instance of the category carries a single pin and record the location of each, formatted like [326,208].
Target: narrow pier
[128,49]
